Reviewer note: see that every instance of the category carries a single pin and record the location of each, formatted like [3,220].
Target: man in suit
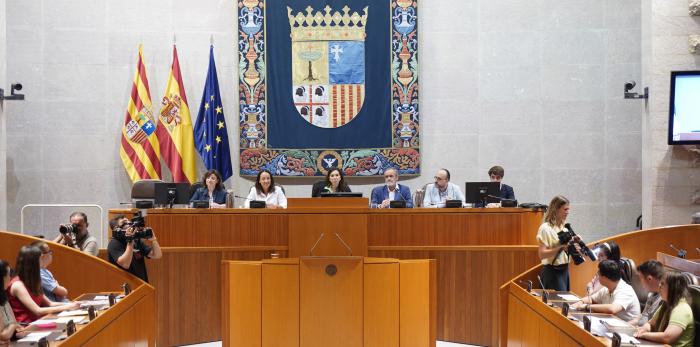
[383,195]
[496,175]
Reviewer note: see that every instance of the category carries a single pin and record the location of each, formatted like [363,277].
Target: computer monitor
[342,195]
[478,192]
[172,193]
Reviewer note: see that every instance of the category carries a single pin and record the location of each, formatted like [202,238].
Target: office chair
[143,193]
[194,187]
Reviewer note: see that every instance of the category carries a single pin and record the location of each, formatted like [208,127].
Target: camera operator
[132,242]
[558,243]
[555,272]
[76,235]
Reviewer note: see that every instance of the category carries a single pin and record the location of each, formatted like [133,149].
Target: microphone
[527,283]
[311,251]
[343,243]
[681,252]
[544,291]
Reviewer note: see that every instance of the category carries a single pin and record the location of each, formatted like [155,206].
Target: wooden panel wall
[417,303]
[245,326]
[280,304]
[445,227]
[131,322]
[381,304]
[195,239]
[188,284]
[468,279]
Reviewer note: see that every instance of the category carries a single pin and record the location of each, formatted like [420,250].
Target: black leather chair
[194,187]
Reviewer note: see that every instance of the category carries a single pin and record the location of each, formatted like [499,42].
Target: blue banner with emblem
[330,84]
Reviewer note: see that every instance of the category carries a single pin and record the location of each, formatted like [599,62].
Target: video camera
[68,228]
[568,236]
[141,231]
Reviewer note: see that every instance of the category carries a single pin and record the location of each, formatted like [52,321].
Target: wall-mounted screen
[684,108]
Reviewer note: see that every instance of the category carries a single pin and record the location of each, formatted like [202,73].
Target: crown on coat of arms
[327,25]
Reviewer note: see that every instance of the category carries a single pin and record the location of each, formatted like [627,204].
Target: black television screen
[172,193]
[684,108]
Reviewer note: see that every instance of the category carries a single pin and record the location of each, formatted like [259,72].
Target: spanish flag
[140,150]
[175,129]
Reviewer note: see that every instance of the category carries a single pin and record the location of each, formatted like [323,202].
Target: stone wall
[535,86]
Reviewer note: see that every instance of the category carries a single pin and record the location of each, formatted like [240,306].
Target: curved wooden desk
[526,320]
[83,273]
[476,251]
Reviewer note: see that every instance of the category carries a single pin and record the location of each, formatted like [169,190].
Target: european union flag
[210,135]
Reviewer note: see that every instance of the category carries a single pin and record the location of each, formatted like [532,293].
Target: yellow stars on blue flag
[210,134]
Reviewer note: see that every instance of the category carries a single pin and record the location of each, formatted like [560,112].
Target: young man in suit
[496,175]
[383,195]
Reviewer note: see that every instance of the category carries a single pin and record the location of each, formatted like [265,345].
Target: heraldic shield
[328,65]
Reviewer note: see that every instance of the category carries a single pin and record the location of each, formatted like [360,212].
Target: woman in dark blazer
[213,190]
[334,182]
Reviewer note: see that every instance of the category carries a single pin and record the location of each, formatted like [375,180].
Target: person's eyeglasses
[438,178]
[48,252]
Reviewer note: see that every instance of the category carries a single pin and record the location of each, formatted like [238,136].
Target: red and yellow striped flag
[175,129]
[140,150]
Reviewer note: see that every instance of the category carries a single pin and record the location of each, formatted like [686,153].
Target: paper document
[569,297]
[624,338]
[73,313]
[65,320]
[34,337]
[614,323]
[94,303]
[101,297]
[44,321]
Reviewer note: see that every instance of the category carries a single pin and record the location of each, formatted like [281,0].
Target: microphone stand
[681,252]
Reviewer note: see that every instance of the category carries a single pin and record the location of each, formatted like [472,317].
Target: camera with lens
[141,231]
[569,237]
[68,229]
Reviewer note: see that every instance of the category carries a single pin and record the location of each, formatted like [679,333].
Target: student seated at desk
[52,290]
[266,190]
[615,297]
[673,323]
[8,324]
[26,298]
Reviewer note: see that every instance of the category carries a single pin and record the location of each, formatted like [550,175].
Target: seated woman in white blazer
[266,190]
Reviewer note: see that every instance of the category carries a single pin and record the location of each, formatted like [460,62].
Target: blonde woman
[555,260]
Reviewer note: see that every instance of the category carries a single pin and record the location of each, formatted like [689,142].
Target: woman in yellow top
[555,272]
[673,322]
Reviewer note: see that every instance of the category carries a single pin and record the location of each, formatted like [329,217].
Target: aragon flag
[140,150]
[175,129]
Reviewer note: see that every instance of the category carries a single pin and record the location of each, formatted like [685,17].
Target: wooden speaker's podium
[329,301]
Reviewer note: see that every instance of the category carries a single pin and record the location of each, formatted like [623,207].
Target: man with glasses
[391,191]
[436,194]
[616,297]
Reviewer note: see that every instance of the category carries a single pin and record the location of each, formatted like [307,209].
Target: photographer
[552,253]
[76,234]
[130,245]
